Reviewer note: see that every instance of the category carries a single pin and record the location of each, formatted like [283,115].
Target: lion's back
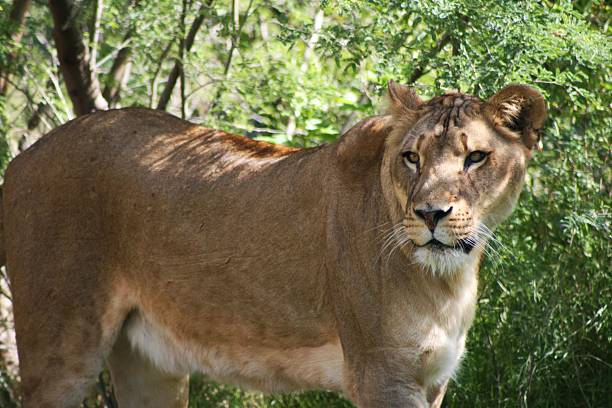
[87,141]
[93,179]
[126,141]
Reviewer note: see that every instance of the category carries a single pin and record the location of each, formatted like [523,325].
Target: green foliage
[543,334]
[208,394]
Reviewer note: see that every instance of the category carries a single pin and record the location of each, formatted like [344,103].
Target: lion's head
[454,167]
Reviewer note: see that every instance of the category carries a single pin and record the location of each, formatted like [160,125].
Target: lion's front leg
[382,383]
[436,394]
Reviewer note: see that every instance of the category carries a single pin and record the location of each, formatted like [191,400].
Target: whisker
[494,240]
[482,237]
[390,239]
[491,245]
[379,227]
[401,239]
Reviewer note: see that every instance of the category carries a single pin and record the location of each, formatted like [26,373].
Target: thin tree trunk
[176,70]
[17,17]
[308,53]
[119,71]
[314,38]
[95,34]
[83,86]
[235,38]
[181,59]
[155,79]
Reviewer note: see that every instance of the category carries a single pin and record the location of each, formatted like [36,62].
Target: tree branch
[120,70]
[420,70]
[236,29]
[176,70]
[29,97]
[81,82]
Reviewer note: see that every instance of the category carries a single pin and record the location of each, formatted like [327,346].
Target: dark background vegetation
[300,73]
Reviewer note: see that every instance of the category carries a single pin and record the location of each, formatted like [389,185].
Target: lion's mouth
[462,245]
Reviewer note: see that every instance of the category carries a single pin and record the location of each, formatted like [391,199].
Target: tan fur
[164,248]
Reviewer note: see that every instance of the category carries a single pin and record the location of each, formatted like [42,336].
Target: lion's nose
[432,216]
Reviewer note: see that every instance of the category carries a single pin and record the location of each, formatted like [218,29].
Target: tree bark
[83,86]
[176,70]
[17,17]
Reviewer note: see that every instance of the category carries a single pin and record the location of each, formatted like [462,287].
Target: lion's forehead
[438,139]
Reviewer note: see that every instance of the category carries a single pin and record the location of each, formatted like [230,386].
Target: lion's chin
[442,261]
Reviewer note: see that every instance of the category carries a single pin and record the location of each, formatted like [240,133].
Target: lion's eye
[411,157]
[475,157]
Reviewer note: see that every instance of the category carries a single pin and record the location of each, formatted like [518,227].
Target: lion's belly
[262,368]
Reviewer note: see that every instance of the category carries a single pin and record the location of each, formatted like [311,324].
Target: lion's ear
[402,99]
[520,109]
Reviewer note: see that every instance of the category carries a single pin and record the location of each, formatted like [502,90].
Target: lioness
[163,248]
